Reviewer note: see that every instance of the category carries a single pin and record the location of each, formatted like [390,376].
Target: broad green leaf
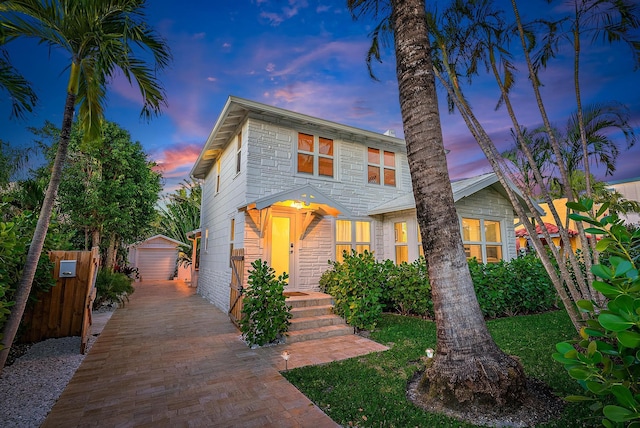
[564,347]
[623,267]
[579,373]
[578,217]
[624,396]
[614,322]
[585,305]
[577,206]
[602,244]
[630,339]
[602,271]
[602,209]
[593,333]
[595,387]
[595,231]
[577,398]
[592,348]
[619,414]
[606,289]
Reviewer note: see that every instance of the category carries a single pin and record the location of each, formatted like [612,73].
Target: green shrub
[265,312]
[14,240]
[516,287]
[407,290]
[112,287]
[362,287]
[606,360]
[356,287]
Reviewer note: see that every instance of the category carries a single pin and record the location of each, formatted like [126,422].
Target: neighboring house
[155,259]
[572,229]
[297,191]
[630,190]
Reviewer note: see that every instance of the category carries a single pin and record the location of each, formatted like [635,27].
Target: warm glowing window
[232,238]
[482,239]
[315,155]
[239,152]
[381,167]
[352,235]
[420,248]
[401,243]
[218,175]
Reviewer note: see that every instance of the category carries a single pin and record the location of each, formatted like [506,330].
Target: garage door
[156,264]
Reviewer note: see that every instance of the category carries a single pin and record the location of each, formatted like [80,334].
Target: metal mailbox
[68,268]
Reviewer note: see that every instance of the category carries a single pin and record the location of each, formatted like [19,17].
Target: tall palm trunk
[468,365]
[35,249]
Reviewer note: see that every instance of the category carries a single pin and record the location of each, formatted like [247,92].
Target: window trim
[483,240]
[382,167]
[239,153]
[316,155]
[353,243]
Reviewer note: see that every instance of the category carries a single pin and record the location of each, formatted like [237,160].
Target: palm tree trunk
[468,366]
[35,249]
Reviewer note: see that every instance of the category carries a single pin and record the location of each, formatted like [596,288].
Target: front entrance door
[283,245]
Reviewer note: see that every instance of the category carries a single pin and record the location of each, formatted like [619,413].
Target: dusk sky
[307,56]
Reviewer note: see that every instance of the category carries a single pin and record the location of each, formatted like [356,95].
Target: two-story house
[297,191]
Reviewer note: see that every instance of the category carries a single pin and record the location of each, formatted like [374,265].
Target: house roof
[236,110]
[308,196]
[461,189]
[166,238]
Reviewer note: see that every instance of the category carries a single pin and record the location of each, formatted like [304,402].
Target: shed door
[156,264]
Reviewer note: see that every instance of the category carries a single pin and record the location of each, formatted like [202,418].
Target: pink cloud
[177,160]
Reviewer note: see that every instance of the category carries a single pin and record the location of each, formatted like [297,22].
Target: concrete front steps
[313,318]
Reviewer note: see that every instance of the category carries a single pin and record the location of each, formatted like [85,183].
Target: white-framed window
[381,167]
[239,152]
[401,242]
[482,239]
[218,176]
[420,248]
[206,240]
[352,235]
[315,155]
[232,238]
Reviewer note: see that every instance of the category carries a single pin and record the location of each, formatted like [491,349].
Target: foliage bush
[265,312]
[407,289]
[112,287]
[14,240]
[516,287]
[356,286]
[606,359]
[362,287]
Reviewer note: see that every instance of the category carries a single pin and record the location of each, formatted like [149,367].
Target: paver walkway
[170,358]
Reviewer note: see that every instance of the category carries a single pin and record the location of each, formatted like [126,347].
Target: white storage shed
[155,257]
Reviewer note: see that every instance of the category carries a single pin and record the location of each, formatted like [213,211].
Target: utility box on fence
[68,268]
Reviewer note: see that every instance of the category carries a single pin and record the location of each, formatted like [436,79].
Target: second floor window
[381,167]
[239,152]
[315,155]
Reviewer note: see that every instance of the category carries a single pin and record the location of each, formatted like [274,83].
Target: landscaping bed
[372,390]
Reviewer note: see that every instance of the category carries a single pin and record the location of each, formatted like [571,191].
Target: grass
[369,391]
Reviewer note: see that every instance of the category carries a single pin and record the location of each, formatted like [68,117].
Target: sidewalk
[170,358]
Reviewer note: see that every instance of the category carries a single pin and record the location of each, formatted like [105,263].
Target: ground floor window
[352,235]
[482,239]
[401,242]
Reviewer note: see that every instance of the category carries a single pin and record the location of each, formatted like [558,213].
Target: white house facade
[297,191]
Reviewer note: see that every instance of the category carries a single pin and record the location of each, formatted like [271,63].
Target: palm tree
[468,366]
[23,98]
[101,39]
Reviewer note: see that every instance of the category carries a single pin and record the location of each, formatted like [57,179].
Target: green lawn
[370,390]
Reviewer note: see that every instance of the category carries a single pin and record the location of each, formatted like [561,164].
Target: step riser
[315,323]
[318,334]
[314,311]
[305,303]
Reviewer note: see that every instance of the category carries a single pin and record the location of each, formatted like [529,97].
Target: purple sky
[307,56]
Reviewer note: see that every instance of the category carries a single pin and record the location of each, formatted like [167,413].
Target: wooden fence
[236,286]
[66,309]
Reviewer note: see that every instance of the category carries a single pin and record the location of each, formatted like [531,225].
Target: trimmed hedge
[362,287]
